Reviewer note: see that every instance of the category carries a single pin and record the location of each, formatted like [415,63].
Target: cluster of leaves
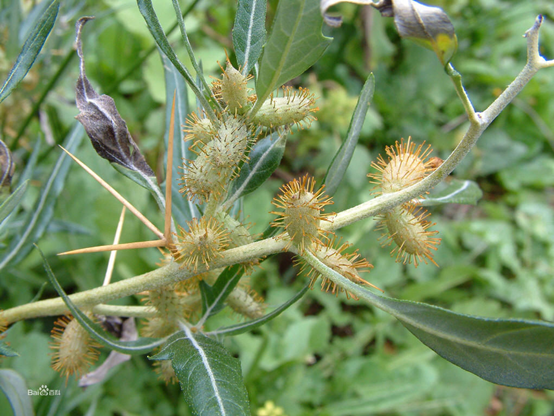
[304,361]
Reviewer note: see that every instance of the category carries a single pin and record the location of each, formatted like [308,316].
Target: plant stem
[173,272]
[163,276]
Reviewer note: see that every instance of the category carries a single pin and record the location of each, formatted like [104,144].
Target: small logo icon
[43,391]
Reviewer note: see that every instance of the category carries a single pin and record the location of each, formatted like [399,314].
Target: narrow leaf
[14,387]
[108,132]
[210,377]
[183,210]
[294,45]
[342,159]
[12,202]
[511,352]
[6,350]
[32,47]
[249,32]
[256,323]
[39,217]
[147,10]
[213,297]
[140,346]
[455,191]
[265,157]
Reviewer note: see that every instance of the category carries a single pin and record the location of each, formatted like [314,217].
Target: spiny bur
[246,302]
[406,225]
[232,90]
[199,130]
[218,160]
[238,236]
[301,212]
[169,310]
[294,107]
[203,241]
[75,350]
[406,166]
[332,254]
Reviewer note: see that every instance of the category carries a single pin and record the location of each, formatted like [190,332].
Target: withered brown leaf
[7,166]
[108,132]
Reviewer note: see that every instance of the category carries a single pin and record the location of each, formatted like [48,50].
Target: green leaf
[6,350]
[511,352]
[342,159]
[249,32]
[14,387]
[182,208]
[265,157]
[147,10]
[140,346]
[213,297]
[455,191]
[294,45]
[32,47]
[256,323]
[41,214]
[210,377]
[12,202]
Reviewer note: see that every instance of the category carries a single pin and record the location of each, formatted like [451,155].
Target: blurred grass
[326,355]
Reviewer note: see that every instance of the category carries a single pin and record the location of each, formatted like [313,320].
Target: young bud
[408,227]
[233,90]
[75,349]
[301,213]
[295,107]
[204,240]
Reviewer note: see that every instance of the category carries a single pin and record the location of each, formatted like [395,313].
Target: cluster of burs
[222,146]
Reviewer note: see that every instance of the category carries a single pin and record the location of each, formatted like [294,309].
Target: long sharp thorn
[169,174]
[110,247]
[113,254]
[118,196]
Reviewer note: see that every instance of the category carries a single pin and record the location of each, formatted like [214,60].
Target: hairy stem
[173,272]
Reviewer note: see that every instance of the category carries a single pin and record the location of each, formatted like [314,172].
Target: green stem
[163,276]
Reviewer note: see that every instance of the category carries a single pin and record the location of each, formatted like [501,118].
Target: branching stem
[173,272]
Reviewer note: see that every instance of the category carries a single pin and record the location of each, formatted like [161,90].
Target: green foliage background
[326,355]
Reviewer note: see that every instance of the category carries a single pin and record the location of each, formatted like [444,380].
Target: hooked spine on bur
[301,212]
[204,240]
[233,91]
[406,225]
[294,107]
[332,254]
[75,350]
[218,160]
